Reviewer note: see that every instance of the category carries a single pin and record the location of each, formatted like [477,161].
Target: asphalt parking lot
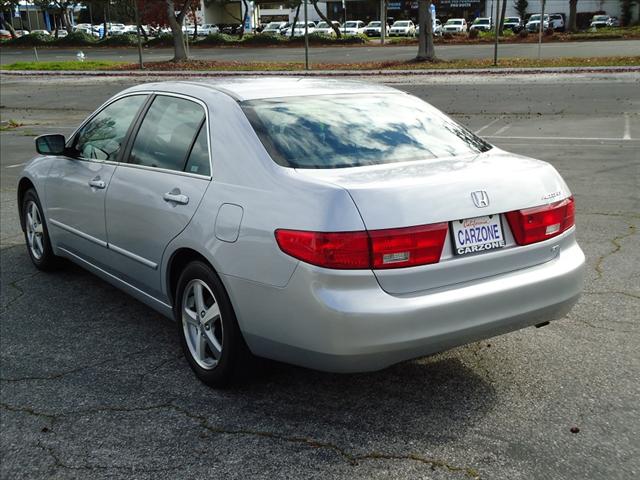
[93,384]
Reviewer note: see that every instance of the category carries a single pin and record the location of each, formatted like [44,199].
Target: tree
[325,19]
[175,23]
[627,11]
[573,15]
[426,50]
[502,15]
[294,24]
[10,7]
[521,7]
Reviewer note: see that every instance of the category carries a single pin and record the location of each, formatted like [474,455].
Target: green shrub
[322,39]
[76,39]
[31,40]
[218,39]
[548,32]
[475,33]
[263,39]
[523,33]
[447,35]
[124,40]
[162,40]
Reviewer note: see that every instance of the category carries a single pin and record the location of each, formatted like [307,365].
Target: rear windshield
[354,130]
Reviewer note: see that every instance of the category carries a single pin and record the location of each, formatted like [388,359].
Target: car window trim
[193,142]
[73,138]
[138,124]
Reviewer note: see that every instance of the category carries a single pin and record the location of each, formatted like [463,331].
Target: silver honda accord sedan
[336,225]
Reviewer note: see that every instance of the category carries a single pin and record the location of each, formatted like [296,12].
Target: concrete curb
[314,73]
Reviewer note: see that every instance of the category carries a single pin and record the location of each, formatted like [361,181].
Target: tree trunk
[179,49]
[325,19]
[7,26]
[573,15]
[502,15]
[68,23]
[295,20]
[426,50]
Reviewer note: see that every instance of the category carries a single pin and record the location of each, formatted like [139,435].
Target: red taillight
[535,224]
[407,247]
[376,249]
[343,250]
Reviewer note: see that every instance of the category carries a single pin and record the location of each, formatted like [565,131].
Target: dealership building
[264,11]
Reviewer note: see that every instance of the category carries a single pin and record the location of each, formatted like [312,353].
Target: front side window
[167,133]
[354,130]
[101,138]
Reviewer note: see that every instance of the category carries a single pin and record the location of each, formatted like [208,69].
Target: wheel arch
[178,260]
[24,185]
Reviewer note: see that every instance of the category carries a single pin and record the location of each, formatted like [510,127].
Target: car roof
[255,88]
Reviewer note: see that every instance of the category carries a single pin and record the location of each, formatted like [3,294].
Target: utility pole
[137,15]
[383,21]
[495,47]
[306,37]
[540,32]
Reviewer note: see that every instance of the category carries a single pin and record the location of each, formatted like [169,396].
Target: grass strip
[212,65]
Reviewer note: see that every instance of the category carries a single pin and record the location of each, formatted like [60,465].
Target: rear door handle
[97,183]
[174,196]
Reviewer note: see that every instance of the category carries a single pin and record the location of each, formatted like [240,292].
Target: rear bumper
[346,323]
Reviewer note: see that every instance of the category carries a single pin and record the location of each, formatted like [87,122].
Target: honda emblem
[480,198]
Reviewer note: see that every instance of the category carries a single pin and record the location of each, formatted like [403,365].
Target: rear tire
[207,327]
[36,233]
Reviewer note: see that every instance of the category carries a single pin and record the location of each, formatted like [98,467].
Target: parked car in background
[20,33]
[325,29]
[533,25]
[274,28]
[557,21]
[88,29]
[455,25]
[353,27]
[61,33]
[5,34]
[298,29]
[514,24]
[482,24]
[603,21]
[403,28]
[373,29]
[40,32]
[207,29]
[359,240]
[116,29]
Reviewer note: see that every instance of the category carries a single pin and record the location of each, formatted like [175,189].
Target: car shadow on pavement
[104,350]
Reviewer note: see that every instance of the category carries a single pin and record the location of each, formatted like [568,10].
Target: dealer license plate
[478,234]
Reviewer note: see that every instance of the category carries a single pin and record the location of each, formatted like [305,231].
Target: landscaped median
[79,39]
[215,66]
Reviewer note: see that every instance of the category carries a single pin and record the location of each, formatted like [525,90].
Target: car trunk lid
[407,194]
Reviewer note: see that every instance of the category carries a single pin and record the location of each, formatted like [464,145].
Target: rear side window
[167,133]
[101,138]
[198,161]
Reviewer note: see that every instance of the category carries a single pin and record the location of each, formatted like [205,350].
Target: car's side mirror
[53,144]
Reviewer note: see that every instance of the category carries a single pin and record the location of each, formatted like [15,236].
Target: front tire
[36,233]
[209,333]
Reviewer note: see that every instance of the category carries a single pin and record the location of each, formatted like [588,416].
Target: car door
[76,185]
[153,195]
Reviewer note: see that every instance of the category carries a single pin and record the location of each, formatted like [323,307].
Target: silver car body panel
[338,320]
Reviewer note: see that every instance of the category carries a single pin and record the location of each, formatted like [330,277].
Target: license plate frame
[464,233]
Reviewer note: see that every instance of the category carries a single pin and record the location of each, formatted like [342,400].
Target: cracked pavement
[93,383]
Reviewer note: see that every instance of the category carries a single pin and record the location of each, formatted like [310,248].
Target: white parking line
[487,126]
[503,129]
[627,127]
[16,165]
[599,139]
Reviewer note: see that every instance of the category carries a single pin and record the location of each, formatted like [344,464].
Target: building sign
[459,3]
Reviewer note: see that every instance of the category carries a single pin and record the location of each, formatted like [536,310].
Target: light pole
[541,27]
[495,47]
[383,22]
[306,37]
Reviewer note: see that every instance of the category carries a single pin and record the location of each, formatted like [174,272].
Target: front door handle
[174,196]
[97,183]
